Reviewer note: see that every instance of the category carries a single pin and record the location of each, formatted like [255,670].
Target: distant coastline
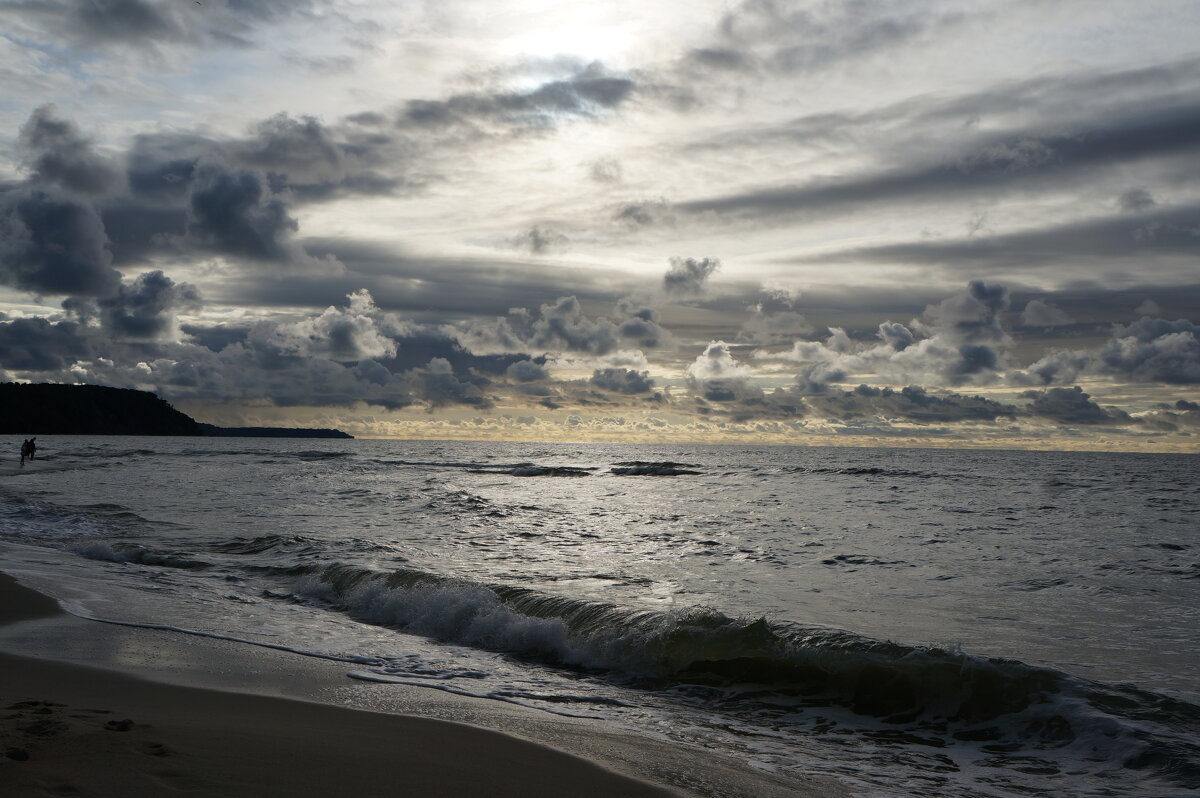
[50,409]
[213,431]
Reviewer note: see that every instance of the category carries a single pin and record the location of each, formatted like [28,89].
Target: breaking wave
[132,553]
[531,470]
[970,698]
[647,468]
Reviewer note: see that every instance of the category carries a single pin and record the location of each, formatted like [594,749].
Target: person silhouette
[24,451]
[32,448]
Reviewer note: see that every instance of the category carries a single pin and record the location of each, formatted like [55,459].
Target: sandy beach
[72,730]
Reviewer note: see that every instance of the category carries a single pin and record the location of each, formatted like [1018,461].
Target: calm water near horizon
[913,622]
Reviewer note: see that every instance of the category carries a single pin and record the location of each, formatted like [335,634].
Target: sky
[866,222]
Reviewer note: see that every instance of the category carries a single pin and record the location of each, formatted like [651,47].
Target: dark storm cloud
[350,353]
[215,337]
[526,371]
[1154,350]
[59,154]
[416,346]
[911,403]
[147,307]
[37,345]
[1072,406]
[136,229]
[438,385]
[76,214]
[315,161]
[627,381]
[1148,350]
[52,243]
[160,166]
[304,157]
[233,211]
[686,276]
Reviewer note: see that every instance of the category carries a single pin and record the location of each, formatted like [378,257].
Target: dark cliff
[43,409]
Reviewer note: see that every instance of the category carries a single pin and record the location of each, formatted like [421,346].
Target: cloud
[1160,232]
[911,403]
[717,376]
[52,243]
[151,24]
[957,341]
[716,362]
[527,371]
[438,385]
[989,164]
[38,345]
[644,213]
[561,326]
[606,170]
[314,161]
[1153,350]
[356,332]
[60,155]
[1072,406]
[774,319]
[686,276]
[234,211]
[1148,350]
[592,90]
[540,240]
[626,381]
[76,215]
[1136,200]
[641,324]
[1182,415]
[792,37]
[146,309]
[1043,314]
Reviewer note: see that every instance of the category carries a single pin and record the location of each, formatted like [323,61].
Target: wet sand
[67,729]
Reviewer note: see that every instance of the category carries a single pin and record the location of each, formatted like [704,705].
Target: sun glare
[579,38]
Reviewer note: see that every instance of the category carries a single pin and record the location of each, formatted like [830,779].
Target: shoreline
[71,729]
[218,718]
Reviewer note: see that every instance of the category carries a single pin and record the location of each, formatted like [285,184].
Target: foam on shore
[71,728]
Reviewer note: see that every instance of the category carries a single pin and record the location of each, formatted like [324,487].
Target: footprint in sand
[17,754]
[156,749]
[119,725]
[42,728]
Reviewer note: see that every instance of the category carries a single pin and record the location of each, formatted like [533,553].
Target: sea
[906,621]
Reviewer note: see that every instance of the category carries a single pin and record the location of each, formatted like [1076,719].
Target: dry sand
[69,730]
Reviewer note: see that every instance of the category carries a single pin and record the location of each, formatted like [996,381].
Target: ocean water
[912,622]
